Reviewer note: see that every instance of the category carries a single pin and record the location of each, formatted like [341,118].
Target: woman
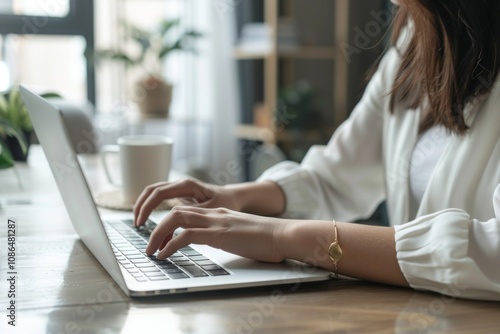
[425,137]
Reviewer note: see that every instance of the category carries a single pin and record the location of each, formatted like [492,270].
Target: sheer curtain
[206,89]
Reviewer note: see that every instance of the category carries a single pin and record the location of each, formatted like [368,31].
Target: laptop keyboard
[129,245]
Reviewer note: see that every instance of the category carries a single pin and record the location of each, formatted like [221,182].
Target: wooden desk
[61,288]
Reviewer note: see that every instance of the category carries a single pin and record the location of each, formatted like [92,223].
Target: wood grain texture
[63,289]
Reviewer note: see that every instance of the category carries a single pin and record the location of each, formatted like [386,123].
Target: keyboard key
[137,274]
[150,270]
[198,258]
[194,271]
[204,263]
[136,256]
[166,265]
[190,253]
[136,261]
[171,270]
[134,271]
[154,274]
[126,247]
[145,265]
[158,261]
[178,259]
[139,244]
[128,266]
[159,278]
[211,267]
[128,221]
[119,243]
[141,279]
[134,252]
[178,275]
[218,272]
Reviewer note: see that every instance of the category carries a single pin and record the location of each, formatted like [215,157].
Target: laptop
[120,248]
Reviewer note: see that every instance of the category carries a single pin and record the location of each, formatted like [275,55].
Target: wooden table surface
[61,288]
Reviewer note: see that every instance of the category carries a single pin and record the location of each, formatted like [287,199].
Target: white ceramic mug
[144,160]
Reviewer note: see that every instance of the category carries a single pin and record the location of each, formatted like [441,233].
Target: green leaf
[6,160]
[4,106]
[166,25]
[117,55]
[193,33]
[51,95]
[25,122]
[11,130]
[13,107]
[169,48]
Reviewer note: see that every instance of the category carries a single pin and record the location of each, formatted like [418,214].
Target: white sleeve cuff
[295,182]
[433,254]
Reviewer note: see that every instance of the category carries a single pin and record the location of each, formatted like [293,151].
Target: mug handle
[105,151]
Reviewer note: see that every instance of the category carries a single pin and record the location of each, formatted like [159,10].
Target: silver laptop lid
[51,132]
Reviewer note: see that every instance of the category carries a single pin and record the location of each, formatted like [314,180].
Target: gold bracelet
[334,251]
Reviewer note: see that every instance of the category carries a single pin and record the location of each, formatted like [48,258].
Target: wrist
[261,198]
[306,241]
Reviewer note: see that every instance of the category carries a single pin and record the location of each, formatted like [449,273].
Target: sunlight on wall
[57,8]
[48,63]
[4,76]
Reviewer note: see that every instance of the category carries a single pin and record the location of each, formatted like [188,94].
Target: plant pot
[153,96]
[15,147]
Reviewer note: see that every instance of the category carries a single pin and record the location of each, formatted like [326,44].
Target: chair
[78,121]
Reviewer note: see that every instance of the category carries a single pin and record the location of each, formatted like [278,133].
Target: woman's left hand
[247,235]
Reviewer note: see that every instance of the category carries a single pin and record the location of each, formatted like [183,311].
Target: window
[59,31]
[51,8]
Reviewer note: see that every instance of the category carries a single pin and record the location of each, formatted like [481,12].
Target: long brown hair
[452,57]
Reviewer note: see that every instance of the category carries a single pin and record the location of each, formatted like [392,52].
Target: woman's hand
[191,192]
[262,198]
[247,235]
[369,251]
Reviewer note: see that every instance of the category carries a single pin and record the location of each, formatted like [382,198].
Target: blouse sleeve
[451,253]
[345,178]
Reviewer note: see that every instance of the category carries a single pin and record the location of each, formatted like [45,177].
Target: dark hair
[452,57]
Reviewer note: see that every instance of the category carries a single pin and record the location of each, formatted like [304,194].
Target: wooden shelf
[256,133]
[278,63]
[306,52]
[245,54]
[267,135]
[310,52]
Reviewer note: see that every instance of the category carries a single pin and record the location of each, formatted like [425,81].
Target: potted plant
[16,129]
[153,93]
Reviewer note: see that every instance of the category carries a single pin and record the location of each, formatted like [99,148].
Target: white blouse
[426,154]
[450,243]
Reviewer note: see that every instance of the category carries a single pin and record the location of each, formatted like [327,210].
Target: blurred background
[239,84]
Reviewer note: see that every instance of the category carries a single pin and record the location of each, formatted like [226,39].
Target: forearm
[260,198]
[369,252]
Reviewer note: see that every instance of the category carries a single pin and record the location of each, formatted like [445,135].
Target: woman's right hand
[191,192]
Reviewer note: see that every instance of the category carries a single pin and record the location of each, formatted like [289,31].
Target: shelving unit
[263,131]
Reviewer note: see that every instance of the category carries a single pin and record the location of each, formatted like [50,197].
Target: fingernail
[162,255]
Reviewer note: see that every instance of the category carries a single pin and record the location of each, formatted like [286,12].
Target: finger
[165,241]
[159,192]
[142,198]
[163,244]
[185,238]
[183,217]
[199,208]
